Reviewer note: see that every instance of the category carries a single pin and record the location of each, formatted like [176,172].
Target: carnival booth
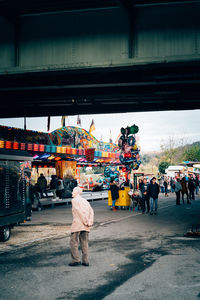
[65,150]
[191,168]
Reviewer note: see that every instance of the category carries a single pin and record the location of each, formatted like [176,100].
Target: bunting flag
[92,126]
[78,120]
[48,123]
[24,123]
[63,121]
[110,140]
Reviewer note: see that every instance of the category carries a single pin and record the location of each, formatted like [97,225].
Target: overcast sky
[155,128]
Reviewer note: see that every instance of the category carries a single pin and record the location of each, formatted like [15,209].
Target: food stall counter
[123,200]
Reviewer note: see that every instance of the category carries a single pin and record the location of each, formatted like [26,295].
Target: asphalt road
[132,256]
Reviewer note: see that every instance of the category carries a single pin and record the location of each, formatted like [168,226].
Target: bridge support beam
[17,28]
[127,7]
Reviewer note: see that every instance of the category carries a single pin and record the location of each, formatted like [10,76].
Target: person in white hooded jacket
[83,218]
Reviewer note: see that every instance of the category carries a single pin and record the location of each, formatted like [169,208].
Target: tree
[162,166]
[172,150]
[192,153]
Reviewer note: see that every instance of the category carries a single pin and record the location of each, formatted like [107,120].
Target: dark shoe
[74,264]
[155,213]
[85,264]
[188,202]
[151,213]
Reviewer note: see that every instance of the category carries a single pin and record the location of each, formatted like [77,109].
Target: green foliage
[174,152]
[191,153]
[171,153]
[162,166]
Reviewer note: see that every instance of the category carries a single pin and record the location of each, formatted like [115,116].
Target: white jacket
[83,215]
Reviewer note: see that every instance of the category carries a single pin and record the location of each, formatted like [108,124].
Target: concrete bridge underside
[69,57]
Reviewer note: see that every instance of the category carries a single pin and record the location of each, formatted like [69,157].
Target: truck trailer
[15,175]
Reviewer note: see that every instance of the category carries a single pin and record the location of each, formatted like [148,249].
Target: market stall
[63,151]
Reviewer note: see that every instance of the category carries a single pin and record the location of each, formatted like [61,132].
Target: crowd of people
[83,214]
[187,185]
[62,187]
[149,191]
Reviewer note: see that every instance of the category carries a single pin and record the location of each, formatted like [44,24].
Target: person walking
[145,198]
[191,188]
[172,184]
[60,187]
[197,184]
[42,184]
[165,186]
[69,183]
[53,182]
[184,190]
[161,183]
[83,218]
[153,191]
[178,189]
[114,193]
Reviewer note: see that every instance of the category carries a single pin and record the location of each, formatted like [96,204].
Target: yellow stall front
[123,200]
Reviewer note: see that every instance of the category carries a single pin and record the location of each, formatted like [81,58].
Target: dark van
[15,174]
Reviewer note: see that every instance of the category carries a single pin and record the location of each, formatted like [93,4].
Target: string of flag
[92,126]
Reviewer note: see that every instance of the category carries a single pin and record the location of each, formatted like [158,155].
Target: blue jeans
[113,203]
[153,202]
[197,190]
[172,190]
[162,189]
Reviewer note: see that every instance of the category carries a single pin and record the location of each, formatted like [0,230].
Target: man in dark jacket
[145,198]
[197,184]
[42,184]
[153,191]
[191,188]
[114,193]
[184,190]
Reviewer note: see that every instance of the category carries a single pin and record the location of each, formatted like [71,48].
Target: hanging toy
[111,172]
[131,140]
[129,156]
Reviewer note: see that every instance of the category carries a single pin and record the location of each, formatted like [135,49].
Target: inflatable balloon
[133,129]
[111,172]
[131,140]
[122,131]
[135,147]
[121,141]
[127,131]
[129,156]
